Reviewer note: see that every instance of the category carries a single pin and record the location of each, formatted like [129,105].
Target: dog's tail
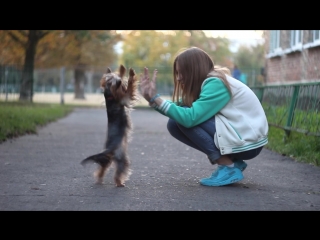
[103,159]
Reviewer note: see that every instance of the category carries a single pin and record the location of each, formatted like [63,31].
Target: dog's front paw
[131,72]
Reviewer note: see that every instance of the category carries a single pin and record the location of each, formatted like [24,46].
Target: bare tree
[29,40]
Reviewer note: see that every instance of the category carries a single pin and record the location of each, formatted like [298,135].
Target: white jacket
[242,124]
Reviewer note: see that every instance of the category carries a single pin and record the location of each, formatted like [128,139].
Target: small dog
[120,94]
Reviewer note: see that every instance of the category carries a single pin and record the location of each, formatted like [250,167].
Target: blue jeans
[201,137]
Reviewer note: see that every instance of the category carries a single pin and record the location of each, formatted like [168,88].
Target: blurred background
[66,65]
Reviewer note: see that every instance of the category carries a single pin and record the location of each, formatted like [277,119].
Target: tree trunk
[79,81]
[26,88]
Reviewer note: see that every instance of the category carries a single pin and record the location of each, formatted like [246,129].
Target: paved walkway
[43,172]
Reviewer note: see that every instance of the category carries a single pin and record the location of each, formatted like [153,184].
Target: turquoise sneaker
[223,175]
[240,164]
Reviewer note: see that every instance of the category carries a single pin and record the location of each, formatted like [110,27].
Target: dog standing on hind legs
[120,96]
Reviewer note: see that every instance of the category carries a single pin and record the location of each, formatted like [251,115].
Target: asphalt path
[42,172]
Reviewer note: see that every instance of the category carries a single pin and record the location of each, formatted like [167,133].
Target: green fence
[294,107]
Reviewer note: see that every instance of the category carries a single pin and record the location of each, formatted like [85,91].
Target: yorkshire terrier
[120,94]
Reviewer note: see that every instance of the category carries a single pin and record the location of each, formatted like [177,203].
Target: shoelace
[215,173]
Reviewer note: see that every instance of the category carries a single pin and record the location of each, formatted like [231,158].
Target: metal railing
[294,107]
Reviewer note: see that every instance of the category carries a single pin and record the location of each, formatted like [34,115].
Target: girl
[211,112]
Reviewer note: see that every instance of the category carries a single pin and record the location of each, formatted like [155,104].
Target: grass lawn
[18,118]
[298,146]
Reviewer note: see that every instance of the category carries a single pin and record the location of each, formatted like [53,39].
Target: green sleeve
[213,97]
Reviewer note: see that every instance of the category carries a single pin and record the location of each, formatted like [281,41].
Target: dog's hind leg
[122,166]
[99,174]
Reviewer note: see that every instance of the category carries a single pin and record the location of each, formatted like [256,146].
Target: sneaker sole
[223,183]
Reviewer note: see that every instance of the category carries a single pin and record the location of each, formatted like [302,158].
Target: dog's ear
[122,71]
[108,70]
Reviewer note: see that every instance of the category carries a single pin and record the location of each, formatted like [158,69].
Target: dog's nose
[118,83]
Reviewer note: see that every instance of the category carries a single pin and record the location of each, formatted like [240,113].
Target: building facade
[292,56]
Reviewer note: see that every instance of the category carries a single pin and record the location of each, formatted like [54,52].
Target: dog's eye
[108,81]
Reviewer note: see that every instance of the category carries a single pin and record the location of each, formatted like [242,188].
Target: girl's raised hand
[148,88]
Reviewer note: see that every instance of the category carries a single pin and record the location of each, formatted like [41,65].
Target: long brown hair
[195,65]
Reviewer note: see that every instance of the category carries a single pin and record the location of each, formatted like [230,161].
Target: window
[296,39]
[274,44]
[274,41]
[316,35]
[313,39]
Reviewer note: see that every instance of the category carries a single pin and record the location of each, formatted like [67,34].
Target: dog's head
[114,84]
[117,87]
